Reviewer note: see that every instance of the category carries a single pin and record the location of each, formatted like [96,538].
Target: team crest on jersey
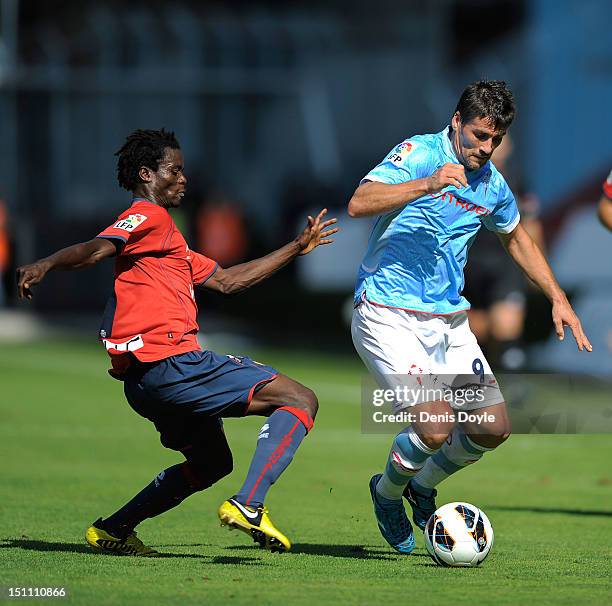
[398,155]
[130,223]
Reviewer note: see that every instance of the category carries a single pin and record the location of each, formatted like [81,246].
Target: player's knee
[493,433]
[434,439]
[311,401]
[500,432]
[194,476]
[498,438]
[304,399]
[493,438]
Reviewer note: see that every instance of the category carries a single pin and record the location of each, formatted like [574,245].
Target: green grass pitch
[71,450]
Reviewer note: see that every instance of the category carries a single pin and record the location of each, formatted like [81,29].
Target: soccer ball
[458,534]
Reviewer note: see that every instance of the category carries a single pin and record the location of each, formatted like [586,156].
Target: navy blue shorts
[198,387]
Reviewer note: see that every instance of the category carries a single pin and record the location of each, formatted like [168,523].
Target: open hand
[316,233]
[563,315]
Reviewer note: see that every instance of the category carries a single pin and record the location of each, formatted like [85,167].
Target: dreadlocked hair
[142,148]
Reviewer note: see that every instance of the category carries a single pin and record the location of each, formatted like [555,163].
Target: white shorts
[422,357]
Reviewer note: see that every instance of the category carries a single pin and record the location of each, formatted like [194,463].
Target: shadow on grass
[236,560]
[358,552]
[432,564]
[570,512]
[183,545]
[32,545]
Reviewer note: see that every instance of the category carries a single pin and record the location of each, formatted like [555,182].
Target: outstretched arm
[530,259]
[240,277]
[73,257]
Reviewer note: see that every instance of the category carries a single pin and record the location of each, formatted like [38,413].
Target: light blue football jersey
[416,254]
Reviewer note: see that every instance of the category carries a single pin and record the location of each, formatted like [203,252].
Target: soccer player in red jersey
[149,329]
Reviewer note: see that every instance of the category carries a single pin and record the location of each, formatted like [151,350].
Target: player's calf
[457,452]
[277,443]
[465,446]
[202,469]
[407,456]
[291,408]
[207,462]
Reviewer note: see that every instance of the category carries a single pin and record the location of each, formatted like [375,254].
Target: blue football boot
[423,505]
[392,520]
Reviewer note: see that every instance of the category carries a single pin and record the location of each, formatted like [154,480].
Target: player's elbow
[99,249]
[360,204]
[231,285]
[225,281]
[225,288]
[234,289]
[88,260]
[355,206]
[95,257]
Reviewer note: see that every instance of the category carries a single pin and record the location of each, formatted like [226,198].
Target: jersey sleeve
[140,233]
[407,161]
[505,216]
[202,267]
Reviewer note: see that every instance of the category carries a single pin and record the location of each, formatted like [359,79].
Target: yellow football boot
[131,545]
[255,523]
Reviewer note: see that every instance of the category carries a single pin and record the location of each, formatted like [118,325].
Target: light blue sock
[408,455]
[455,454]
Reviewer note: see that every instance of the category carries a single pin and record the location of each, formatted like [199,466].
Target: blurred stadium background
[280,109]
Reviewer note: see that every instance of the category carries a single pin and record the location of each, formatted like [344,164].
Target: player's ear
[456,120]
[145,174]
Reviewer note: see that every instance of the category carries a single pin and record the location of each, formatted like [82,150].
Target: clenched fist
[449,174]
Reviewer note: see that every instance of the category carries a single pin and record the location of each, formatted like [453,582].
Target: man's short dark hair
[490,99]
[142,148]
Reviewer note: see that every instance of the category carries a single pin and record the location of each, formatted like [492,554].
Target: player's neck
[452,138]
[149,196]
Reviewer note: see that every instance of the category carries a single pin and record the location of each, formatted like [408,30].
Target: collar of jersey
[449,152]
[134,200]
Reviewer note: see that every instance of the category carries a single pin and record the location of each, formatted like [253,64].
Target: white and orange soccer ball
[458,534]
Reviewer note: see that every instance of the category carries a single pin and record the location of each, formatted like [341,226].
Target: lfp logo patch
[130,223]
[398,155]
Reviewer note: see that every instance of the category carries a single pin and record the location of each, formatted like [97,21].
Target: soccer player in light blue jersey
[432,194]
